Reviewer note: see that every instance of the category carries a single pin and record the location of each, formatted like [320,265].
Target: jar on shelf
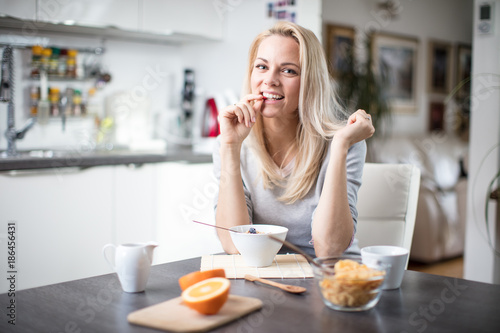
[34,97]
[46,54]
[54,61]
[93,106]
[54,98]
[71,63]
[78,109]
[62,65]
[36,60]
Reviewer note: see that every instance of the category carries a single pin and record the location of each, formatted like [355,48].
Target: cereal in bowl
[352,284]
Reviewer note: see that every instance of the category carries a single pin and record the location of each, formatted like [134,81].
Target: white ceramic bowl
[258,250]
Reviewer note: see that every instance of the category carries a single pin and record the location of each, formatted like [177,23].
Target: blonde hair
[320,115]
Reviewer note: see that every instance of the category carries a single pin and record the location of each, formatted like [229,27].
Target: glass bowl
[346,284]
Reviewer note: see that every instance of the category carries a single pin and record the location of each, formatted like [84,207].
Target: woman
[285,156]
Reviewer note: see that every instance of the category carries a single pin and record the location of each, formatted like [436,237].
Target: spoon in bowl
[284,242]
[216,226]
[296,249]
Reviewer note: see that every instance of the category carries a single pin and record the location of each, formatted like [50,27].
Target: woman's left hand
[359,127]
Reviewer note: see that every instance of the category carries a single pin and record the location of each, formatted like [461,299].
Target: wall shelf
[55,78]
[108,32]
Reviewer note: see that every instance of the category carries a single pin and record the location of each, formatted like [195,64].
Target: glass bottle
[63,63]
[43,111]
[54,102]
[36,60]
[54,61]
[92,105]
[46,54]
[77,103]
[71,63]
[34,97]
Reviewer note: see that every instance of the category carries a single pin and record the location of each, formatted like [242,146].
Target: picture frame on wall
[339,49]
[439,67]
[395,63]
[463,70]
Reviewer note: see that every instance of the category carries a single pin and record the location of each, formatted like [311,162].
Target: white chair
[387,204]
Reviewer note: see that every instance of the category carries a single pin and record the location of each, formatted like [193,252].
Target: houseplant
[359,87]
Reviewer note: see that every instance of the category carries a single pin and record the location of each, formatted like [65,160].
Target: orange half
[188,280]
[208,296]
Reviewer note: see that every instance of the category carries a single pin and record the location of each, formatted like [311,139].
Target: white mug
[132,263]
[393,256]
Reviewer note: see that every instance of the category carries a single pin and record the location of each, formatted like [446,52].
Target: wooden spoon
[285,287]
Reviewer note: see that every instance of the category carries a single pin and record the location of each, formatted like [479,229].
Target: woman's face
[276,76]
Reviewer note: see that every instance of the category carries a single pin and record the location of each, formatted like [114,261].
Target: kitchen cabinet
[95,13]
[155,21]
[135,203]
[185,192]
[63,217]
[195,17]
[25,9]
[157,202]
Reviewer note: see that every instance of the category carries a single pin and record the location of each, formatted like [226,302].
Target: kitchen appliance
[210,125]
[187,104]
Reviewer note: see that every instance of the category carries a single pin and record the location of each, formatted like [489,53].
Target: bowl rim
[397,251]
[283,229]
[327,270]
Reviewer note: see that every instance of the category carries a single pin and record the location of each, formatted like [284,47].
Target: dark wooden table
[424,303]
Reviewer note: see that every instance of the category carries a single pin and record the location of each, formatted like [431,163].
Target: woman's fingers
[257,106]
[255,101]
[253,97]
[359,127]
[238,113]
[244,112]
[359,115]
[249,106]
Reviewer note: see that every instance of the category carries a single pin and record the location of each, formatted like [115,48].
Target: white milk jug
[132,263]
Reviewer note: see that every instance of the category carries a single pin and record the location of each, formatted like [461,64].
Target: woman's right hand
[236,120]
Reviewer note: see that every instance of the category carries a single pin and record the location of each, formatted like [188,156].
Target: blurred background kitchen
[146,77]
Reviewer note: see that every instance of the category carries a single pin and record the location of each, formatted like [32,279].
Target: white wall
[446,20]
[221,66]
[480,262]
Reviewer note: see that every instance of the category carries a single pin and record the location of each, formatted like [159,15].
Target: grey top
[265,208]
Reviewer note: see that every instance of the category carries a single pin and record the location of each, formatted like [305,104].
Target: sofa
[440,220]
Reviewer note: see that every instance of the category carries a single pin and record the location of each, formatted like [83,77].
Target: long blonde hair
[320,115]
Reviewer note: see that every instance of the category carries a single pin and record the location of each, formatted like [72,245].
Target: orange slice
[189,279]
[208,296]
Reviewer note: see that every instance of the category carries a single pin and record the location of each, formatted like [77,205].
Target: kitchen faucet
[7,95]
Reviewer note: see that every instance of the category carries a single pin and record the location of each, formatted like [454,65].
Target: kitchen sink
[38,153]
[54,153]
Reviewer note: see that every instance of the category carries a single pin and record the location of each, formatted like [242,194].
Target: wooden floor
[451,267]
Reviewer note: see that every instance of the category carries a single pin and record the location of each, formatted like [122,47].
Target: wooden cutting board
[174,316]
